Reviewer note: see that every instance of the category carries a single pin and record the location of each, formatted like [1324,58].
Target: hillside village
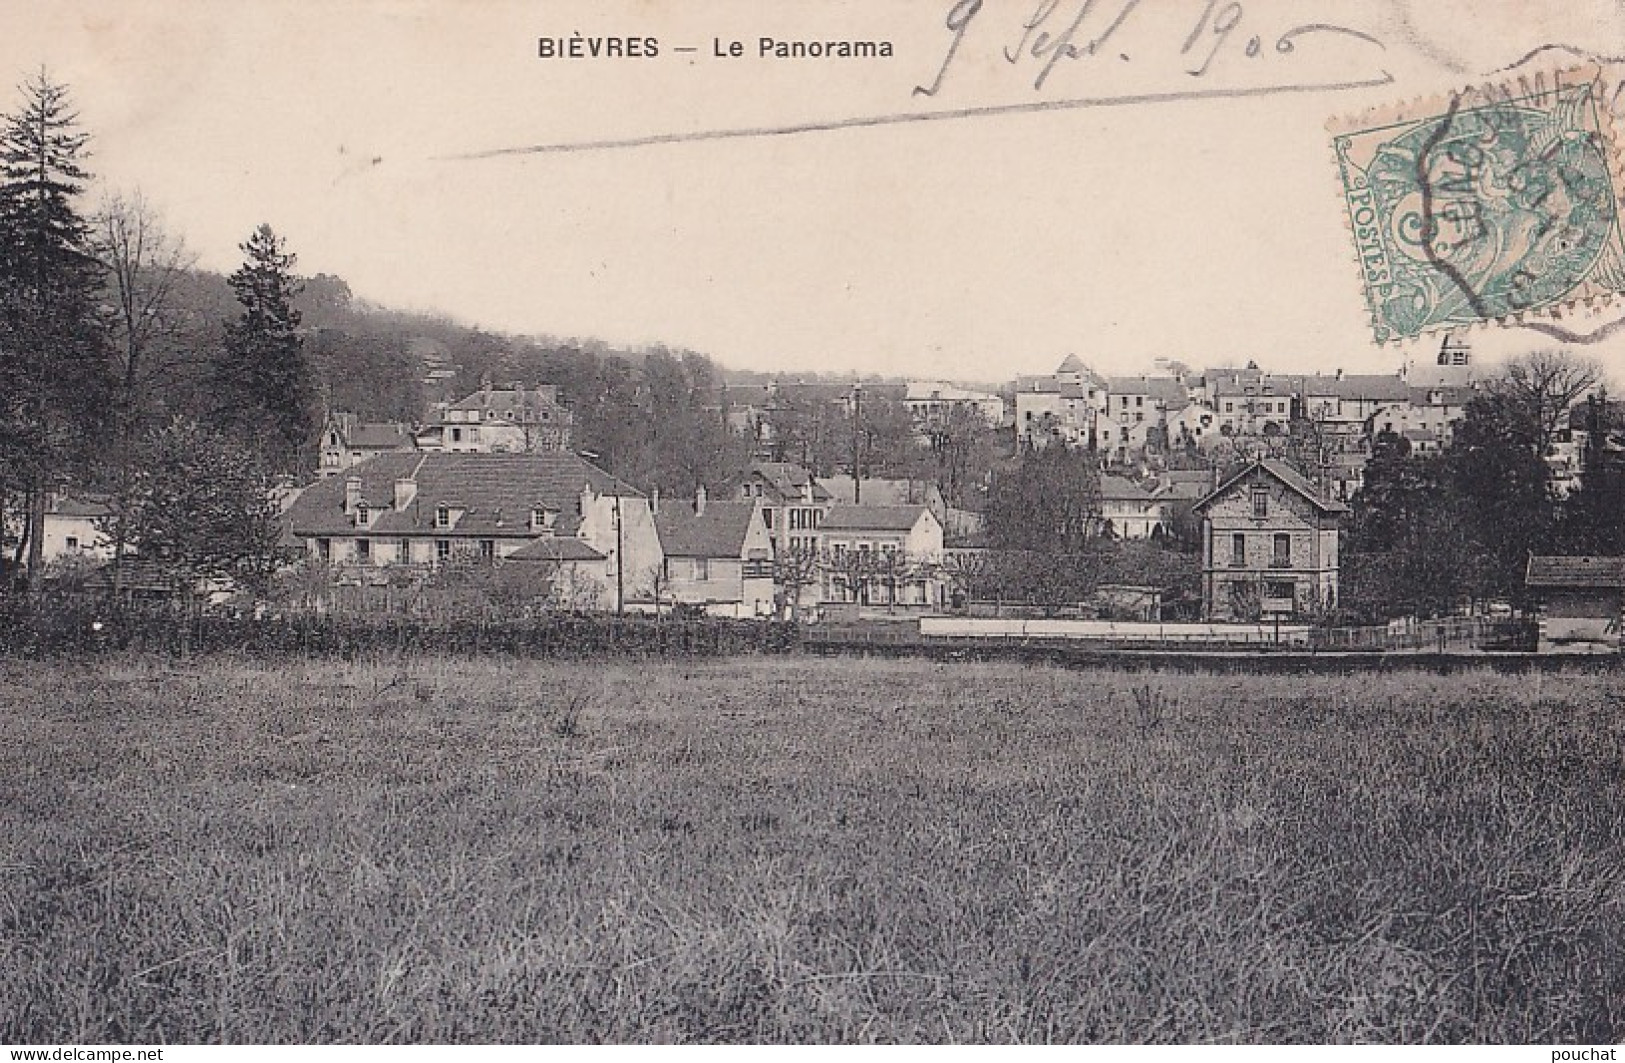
[1223,494]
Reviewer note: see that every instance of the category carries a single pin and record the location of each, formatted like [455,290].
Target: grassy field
[805,850]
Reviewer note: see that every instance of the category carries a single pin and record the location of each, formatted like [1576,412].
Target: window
[403,551]
[488,550]
[767,516]
[702,568]
[1280,589]
[1261,501]
[442,549]
[1238,549]
[324,549]
[456,435]
[73,542]
[363,549]
[362,515]
[1229,407]
[1281,556]
[442,516]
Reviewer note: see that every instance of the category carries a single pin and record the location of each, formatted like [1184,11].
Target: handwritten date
[1219,34]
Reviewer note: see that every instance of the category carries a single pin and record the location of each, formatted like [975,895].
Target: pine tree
[55,374]
[264,389]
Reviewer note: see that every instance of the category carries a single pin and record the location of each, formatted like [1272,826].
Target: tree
[201,507]
[854,569]
[1593,518]
[795,568]
[1049,502]
[265,391]
[1539,389]
[54,373]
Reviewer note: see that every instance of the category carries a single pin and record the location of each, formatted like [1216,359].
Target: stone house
[1269,545]
[881,555]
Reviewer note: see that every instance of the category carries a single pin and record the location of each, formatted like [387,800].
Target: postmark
[1498,203]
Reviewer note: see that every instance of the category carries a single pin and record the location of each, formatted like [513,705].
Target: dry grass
[805,850]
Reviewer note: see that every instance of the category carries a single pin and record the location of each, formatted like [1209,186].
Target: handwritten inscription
[1067,31]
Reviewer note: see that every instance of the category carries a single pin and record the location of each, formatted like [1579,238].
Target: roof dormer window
[442,516]
[362,515]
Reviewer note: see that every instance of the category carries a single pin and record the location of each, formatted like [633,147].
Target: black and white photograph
[812,522]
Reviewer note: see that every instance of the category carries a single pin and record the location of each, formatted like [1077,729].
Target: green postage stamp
[1488,204]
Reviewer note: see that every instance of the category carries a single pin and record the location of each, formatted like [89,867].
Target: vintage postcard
[811,521]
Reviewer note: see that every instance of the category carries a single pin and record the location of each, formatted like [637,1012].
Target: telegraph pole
[857,442]
[620,562]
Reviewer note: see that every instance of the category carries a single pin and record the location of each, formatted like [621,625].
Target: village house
[793,503]
[347,441]
[1129,511]
[881,555]
[427,509]
[718,557]
[70,528]
[1063,407]
[1269,545]
[931,400]
[511,420]
[1582,602]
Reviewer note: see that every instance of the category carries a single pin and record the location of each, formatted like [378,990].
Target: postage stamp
[1489,204]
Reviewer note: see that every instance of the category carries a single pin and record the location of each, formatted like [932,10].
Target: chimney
[699,501]
[1339,372]
[352,493]
[654,502]
[406,489]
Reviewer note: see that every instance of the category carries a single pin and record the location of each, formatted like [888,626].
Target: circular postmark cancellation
[1485,205]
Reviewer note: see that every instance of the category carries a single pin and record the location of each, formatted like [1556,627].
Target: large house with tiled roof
[511,420]
[718,557]
[1269,545]
[426,509]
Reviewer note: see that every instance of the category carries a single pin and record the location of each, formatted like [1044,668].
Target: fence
[1455,633]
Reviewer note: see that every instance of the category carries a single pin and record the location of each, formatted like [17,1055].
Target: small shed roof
[1575,572]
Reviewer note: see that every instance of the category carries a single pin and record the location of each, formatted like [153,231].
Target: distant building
[1269,545]
[1061,408]
[347,441]
[929,400]
[511,420]
[1129,511]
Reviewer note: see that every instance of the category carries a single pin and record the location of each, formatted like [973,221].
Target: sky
[390,144]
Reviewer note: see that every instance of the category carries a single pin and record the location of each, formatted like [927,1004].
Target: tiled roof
[871,518]
[1449,395]
[1251,382]
[381,436]
[1356,387]
[78,506]
[1576,572]
[1040,385]
[555,548]
[789,480]
[1286,475]
[497,493]
[1165,389]
[1120,489]
[878,491]
[718,532]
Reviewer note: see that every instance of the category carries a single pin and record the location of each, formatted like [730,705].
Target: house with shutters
[428,509]
[1269,545]
[510,420]
[718,557]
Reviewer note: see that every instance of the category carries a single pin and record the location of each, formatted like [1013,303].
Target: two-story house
[718,557]
[1269,545]
[1129,511]
[881,555]
[511,420]
[1063,407]
[427,509]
